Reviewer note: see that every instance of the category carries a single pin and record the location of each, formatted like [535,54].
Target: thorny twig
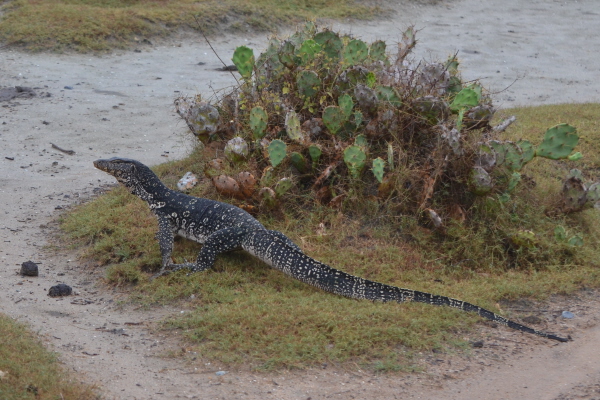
[212,48]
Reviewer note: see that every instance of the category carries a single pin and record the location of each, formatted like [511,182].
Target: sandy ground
[530,53]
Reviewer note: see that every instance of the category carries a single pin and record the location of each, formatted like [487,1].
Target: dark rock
[60,290]
[478,344]
[29,268]
[69,87]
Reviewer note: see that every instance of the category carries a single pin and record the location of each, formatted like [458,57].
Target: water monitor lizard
[223,227]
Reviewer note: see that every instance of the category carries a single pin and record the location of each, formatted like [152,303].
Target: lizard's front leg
[165,237]
[219,242]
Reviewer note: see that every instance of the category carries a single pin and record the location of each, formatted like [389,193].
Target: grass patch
[31,371]
[97,25]
[243,312]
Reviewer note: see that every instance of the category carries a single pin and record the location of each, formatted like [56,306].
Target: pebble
[60,290]
[188,181]
[568,314]
[220,373]
[29,268]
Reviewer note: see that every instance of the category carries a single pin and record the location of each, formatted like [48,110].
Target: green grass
[243,312]
[31,371]
[97,25]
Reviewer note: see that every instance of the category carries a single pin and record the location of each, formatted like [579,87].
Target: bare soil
[530,53]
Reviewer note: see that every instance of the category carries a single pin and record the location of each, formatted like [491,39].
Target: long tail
[282,254]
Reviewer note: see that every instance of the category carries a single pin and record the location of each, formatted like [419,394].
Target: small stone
[60,290]
[220,373]
[188,181]
[29,268]
[568,314]
[69,87]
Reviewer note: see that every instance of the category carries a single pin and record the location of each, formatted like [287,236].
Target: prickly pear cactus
[331,44]
[593,195]
[308,83]
[236,149]
[389,94]
[202,118]
[558,143]
[267,197]
[355,158]
[315,154]
[277,152]
[574,195]
[397,119]
[333,118]
[292,127]
[243,58]
[355,52]
[480,181]
[378,169]
[346,105]
[366,98]
[258,122]
[298,161]
[283,186]
[308,51]
[377,51]
[287,55]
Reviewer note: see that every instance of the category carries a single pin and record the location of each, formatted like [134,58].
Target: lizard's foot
[172,268]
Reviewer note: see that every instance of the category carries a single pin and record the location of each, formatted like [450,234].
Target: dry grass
[99,25]
[31,371]
[243,312]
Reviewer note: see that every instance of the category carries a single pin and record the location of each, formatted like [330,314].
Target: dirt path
[122,104]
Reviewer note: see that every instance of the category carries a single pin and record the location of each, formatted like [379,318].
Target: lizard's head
[131,173]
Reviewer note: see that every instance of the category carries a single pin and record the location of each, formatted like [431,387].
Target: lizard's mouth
[101,165]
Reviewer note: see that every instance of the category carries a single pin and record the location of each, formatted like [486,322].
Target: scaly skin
[222,227]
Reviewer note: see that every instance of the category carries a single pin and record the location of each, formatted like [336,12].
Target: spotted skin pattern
[222,227]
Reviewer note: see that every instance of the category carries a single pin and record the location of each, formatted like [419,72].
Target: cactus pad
[558,143]
[355,52]
[315,153]
[527,150]
[367,98]
[480,181]
[389,94]
[466,98]
[354,157]
[258,122]
[277,152]
[346,104]
[574,195]
[284,185]
[333,118]
[514,180]
[287,55]
[202,118]
[243,58]
[593,195]
[377,51]
[361,141]
[330,43]
[236,149]
[378,168]
[308,83]
[308,51]
[298,161]
[292,127]
[267,197]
